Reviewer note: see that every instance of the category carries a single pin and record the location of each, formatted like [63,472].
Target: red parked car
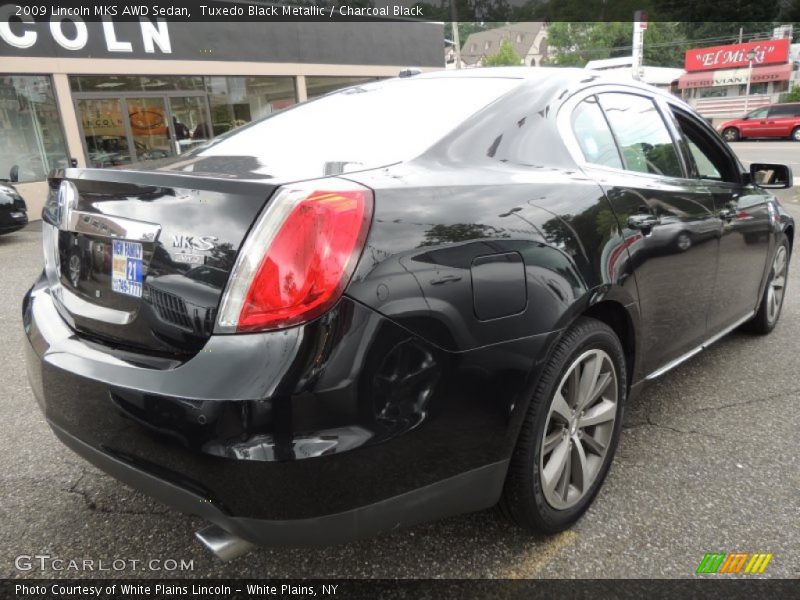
[774,121]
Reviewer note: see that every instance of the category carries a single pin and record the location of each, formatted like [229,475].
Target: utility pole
[456,38]
[639,26]
[751,56]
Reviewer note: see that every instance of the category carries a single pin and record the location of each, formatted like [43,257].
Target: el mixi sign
[765,52]
[72,33]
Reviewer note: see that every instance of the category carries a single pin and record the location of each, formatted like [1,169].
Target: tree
[793,95]
[505,56]
[575,44]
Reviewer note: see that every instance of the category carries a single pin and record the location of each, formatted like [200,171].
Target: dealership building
[106,94]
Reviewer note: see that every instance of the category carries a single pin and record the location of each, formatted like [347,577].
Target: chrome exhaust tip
[223,544]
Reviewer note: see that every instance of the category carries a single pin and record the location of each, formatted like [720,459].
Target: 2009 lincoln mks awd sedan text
[404,300]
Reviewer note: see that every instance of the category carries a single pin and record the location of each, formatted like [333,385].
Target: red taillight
[308,243]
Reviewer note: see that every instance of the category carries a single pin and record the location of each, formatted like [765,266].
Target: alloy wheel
[579,429]
[777,284]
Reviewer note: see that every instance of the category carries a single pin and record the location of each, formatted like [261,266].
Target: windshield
[353,129]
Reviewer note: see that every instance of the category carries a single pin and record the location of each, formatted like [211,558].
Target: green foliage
[506,56]
[793,95]
[575,44]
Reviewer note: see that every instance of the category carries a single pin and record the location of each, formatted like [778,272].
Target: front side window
[710,159]
[642,135]
[760,113]
[31,140]
[593,135]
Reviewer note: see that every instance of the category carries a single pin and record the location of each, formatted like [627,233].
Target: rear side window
[358,128]
[593,135]
[642,135]
[784,110]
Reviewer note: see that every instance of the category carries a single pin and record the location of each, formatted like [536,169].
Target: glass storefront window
[104,132]
[30,130]
[319,86]
[129,118]
[135,83]
[235,101]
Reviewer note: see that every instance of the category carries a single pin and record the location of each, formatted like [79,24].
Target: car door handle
[643,222]
[445,279]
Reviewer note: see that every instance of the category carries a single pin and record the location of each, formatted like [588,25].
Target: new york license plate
[126,268]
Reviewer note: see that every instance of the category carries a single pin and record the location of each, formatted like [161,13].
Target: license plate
[126,268]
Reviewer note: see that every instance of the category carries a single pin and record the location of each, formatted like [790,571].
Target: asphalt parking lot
[782,151]
[708,462]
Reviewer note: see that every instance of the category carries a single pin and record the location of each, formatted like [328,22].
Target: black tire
[524,501]
[765,319]
[796,134]
[731,134]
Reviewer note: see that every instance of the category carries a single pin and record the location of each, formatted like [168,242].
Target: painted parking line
[529,565]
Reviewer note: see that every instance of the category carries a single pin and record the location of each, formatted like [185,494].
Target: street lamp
[751,56]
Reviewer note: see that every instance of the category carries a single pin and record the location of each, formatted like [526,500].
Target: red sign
[764,52]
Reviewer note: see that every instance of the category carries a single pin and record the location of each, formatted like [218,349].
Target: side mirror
[13,174]
[771,176]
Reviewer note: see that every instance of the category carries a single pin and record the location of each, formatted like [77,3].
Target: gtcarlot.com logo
[734,563]
[46,562]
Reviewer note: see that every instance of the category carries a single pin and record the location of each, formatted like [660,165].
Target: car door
[667,219]
[745,222]
[755,125]
[781,120]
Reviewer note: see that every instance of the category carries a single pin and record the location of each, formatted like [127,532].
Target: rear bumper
[291,437]
[459,494]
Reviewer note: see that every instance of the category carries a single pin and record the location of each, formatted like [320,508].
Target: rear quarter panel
[432,222]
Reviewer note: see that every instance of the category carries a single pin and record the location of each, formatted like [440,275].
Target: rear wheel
[769,310]
[570,432]
[796,134]
[731,134]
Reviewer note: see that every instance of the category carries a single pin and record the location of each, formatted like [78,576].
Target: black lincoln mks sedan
[404,300]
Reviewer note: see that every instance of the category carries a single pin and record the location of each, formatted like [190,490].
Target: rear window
[354,129]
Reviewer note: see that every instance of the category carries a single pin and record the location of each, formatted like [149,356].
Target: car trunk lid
[140,259]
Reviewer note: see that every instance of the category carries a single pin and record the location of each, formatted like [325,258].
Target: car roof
[569,75]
